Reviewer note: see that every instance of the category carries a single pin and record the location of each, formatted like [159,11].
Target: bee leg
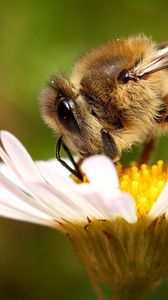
[109,144]
[76,171]
[147,151]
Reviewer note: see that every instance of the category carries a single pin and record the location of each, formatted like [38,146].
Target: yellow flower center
[144,183]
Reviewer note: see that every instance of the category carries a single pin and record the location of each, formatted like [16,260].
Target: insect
[116,96]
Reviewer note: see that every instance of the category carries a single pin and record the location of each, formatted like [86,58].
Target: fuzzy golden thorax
[119,87]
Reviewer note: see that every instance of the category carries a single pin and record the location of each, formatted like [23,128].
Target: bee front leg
[147,151]
[76,171]
[109,145]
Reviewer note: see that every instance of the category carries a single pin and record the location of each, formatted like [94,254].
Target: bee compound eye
[66,116]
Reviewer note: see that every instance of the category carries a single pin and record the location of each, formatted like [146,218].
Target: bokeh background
[38,38]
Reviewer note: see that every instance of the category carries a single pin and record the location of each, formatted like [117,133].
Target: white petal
[92,197]
[21,163]
[101,174]
[11,200]
[63,206]
[71,192]
[25,197]
[7,212]
[53,199]
[9,164]
[9,173]
[124,206]
[120,205]
[19,157]
[26,179]
[161,205]
[54,166]
[56,178]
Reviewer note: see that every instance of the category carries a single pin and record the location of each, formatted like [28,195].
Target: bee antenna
[76,171]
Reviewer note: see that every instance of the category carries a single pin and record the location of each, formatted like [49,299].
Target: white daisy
[117,221]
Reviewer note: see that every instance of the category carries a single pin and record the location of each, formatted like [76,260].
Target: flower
[117,222]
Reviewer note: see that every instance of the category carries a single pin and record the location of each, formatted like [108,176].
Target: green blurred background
[36,39]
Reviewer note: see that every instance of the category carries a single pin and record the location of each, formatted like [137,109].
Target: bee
[116,96]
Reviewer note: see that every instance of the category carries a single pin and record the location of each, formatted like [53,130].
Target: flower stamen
[144,183]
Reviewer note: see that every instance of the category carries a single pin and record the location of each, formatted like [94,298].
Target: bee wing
[158,61]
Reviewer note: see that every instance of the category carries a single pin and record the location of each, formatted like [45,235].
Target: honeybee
[117,95]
